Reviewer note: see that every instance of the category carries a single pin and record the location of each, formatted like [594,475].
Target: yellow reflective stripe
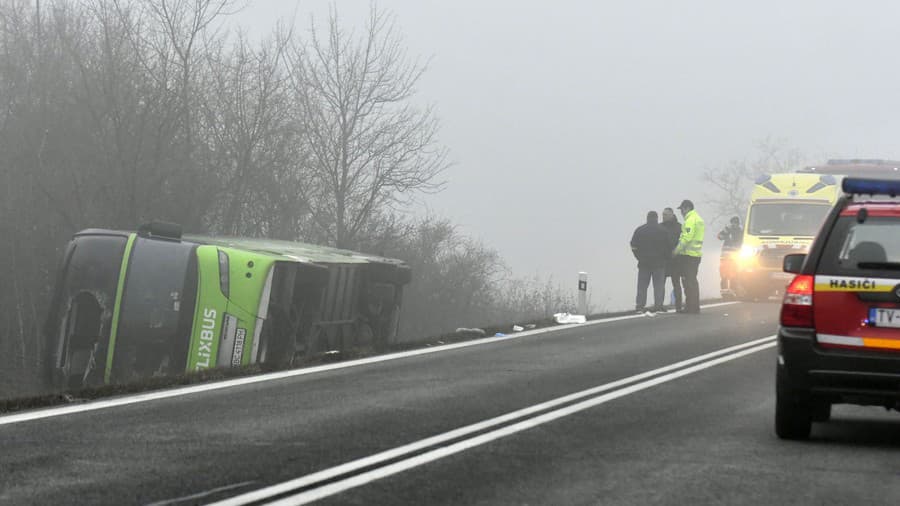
[871,342]
[854,284]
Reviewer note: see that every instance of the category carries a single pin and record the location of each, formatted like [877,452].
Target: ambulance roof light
[858,161]
[859,186]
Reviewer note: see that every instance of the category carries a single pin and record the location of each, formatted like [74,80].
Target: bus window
[80,316]
[157,309]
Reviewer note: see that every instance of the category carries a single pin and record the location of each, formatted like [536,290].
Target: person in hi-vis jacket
[688,253]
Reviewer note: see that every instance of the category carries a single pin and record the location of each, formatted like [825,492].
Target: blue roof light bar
[859,186]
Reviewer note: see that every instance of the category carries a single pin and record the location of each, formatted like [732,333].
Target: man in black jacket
[731,236]
[670,223]
[651,246]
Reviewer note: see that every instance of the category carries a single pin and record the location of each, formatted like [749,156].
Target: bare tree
[183,24]
[253,137]
[731,184]
[370,147]
[172,37]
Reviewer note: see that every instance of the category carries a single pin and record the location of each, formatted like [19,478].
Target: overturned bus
[128,306]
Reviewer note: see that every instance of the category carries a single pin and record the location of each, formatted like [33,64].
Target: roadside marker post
[582,293]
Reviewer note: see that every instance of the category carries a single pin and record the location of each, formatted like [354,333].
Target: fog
[567,121]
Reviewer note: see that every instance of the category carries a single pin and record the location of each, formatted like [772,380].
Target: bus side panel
[235,342]
[249,274]
[225,329]
[209,313]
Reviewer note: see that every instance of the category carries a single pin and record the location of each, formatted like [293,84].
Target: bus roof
[289,251]
[294,251]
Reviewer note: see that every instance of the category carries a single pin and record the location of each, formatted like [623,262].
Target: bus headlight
[224,277]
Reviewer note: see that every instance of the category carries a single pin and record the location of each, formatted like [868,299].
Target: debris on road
[567,318]
[471,331]
[517,328]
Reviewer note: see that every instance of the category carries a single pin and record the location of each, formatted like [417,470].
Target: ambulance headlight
[747,252]
[746,256]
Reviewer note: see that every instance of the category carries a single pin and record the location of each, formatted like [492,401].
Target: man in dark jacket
[670,223]
[731,236]
[651,246]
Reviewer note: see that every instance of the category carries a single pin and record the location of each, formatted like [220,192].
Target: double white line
[328,482]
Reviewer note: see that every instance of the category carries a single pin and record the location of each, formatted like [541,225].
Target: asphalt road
[659,418]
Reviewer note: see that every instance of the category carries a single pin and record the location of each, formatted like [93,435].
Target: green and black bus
[132,305]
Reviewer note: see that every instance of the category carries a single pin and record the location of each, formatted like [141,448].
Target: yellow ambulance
[784,215]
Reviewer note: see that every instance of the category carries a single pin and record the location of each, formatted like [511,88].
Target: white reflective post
[582,293]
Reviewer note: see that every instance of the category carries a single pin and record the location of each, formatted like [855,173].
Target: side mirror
[793,263]
[160,230]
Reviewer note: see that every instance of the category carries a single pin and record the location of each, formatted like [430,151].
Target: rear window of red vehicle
[869,248]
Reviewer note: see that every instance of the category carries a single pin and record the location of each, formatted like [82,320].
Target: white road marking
[625,386]
[200,495]
[261,378]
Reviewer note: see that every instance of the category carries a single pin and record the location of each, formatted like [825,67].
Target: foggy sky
[567,121]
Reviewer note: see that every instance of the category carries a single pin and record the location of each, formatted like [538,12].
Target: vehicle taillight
[797,308]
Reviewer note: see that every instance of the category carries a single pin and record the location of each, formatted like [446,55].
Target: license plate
[883,317]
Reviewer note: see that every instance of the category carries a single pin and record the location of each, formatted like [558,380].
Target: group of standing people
[669,250]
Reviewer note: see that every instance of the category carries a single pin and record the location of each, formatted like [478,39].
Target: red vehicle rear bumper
[838,375]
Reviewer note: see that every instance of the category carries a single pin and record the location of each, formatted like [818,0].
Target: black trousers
[689,267]
[658,276]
